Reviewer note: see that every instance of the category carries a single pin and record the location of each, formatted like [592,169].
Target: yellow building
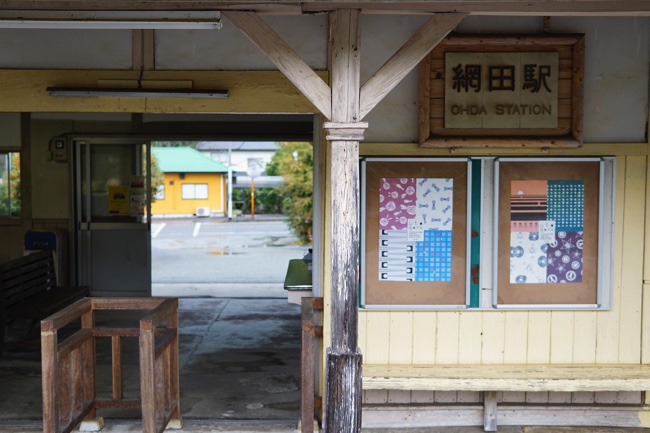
[194,184]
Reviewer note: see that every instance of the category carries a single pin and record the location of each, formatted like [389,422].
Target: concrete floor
[239,363]
[239,373]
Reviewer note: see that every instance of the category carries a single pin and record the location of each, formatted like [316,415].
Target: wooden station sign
[494,91]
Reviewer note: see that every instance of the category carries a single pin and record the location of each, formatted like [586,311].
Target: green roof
[185,160]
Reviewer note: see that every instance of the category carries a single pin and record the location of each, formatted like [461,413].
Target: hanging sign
[501,90]
[486,91]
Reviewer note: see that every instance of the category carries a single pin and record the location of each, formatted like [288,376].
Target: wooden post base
[490,411]
[343,393]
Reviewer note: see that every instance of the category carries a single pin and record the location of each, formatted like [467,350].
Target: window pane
[187,191]
[160,192]
[10,184]
[202,191]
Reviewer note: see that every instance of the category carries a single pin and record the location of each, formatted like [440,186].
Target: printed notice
[415,230]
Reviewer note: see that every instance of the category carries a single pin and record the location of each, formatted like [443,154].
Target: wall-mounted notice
[415,232]
[118,200]
[415,229]
[548,231]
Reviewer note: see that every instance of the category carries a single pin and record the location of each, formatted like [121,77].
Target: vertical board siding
[584,337]
[363,331]
[516,337]
[470,337]
[424,337]
[400,346]
[377,338]
[608,321]
[539,337]
[493,337]
[447,338]
[562,337]
[629,347]
[533,337]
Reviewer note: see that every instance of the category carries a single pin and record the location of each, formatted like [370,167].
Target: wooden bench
[492,378]
[29,290]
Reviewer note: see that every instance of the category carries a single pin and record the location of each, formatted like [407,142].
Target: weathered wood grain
[285,58]
[568,378]
[406,59]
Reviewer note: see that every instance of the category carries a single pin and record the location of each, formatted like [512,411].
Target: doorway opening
[226,260]
[240,338]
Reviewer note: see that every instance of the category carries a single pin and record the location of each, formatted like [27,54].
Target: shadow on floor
[239,360]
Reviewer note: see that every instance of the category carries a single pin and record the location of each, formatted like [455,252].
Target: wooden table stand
[69,366]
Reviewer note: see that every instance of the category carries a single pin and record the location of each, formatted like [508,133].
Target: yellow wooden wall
[556,337]
[173,202]
[501,337]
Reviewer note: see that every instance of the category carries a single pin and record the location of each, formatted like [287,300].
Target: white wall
[239,159]
[228,48]
[616,72]
[65,49]
[617,52]
[616,69]
[9,131]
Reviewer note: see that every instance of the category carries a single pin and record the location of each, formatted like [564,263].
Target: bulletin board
[548,225]
[415,219]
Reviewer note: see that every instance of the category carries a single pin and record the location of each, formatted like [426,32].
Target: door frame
[83,242]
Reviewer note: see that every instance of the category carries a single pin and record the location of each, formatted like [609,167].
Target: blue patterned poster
[546,231]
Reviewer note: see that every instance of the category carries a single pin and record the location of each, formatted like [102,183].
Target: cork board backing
[416,293]
[584,292]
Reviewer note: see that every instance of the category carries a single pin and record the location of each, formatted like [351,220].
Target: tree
[295,161]
[10,191]
[157,177]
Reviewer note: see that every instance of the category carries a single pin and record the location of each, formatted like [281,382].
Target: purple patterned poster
[546,231]
[415,224]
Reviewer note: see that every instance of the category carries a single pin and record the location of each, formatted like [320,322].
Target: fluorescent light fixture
[146,20]
[137,93]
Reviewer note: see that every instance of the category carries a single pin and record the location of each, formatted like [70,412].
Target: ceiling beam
[406,59]
[289,7]
[492,7]
[285,58]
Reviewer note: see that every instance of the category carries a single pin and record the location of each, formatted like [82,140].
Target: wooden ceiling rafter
[285,58]
[406,59]
[296,7]
[315,89]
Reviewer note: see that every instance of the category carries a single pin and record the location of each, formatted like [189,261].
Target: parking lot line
[197,227]
[158,229]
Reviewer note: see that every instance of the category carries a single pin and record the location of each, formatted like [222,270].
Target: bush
[294,161]
[267,200]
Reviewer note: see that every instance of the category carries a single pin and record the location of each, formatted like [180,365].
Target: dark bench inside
[29,290]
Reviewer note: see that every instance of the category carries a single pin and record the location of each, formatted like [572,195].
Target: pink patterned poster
[415,223]
[396,203]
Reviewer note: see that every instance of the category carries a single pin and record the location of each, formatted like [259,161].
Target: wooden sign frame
[584,243]
[451,291]
[568,133]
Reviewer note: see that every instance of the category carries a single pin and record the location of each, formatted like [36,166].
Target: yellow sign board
[118,200]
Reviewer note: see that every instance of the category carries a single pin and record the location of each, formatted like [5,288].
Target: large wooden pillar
[343,358]
[345,102]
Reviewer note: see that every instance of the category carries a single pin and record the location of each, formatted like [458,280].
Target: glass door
[112,204]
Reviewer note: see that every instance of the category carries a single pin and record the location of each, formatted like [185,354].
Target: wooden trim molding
[248,92]
[440,126]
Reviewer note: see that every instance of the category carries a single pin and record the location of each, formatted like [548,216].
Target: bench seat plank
[28,290]
[45,303]
[526,378]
